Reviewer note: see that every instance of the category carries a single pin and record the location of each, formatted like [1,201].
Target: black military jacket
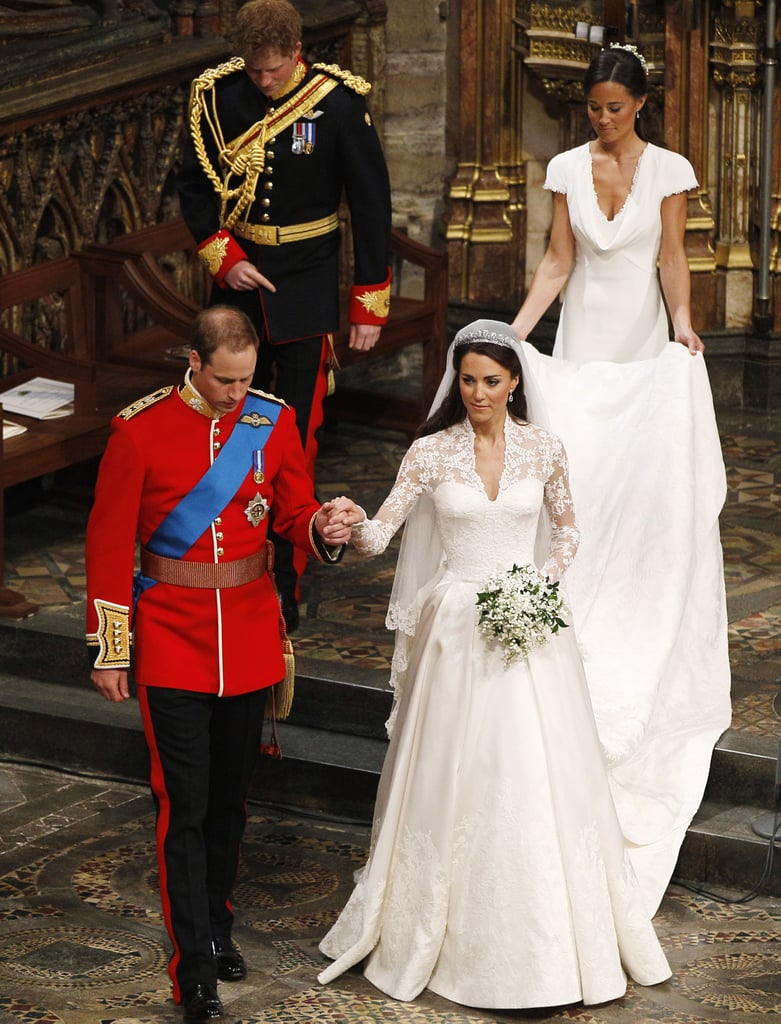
[307,168]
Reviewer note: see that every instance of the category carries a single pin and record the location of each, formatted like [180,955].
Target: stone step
[330,773]
[744,770]
[333,747]
[342,699]
[721,850]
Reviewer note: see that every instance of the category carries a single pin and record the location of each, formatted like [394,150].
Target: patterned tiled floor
[81,939]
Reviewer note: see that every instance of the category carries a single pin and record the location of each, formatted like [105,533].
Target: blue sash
[198,509]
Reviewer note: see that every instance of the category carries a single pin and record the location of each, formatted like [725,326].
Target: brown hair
[222,326]
[267,26]
[452,410]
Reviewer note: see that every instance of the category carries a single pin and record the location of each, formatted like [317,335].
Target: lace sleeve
[558,502]
[372,536]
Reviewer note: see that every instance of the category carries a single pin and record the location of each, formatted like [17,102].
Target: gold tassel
[331,364]
[286,689]
[280,696]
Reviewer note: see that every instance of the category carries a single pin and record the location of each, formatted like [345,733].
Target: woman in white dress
[635,414]
[497,875]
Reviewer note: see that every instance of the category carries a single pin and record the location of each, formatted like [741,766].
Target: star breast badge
[256,510]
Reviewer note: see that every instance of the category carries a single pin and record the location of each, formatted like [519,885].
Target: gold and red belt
[206,575]
[272,234]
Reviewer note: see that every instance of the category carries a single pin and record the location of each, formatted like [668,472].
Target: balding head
[222,326]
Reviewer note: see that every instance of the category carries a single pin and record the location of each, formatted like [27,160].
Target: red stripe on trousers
[157,782]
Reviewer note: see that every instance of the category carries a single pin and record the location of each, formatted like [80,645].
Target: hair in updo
[452,410]
[617,65]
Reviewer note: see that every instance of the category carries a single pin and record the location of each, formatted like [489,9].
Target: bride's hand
[343,511]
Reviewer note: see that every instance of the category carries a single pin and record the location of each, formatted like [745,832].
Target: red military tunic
[224,641]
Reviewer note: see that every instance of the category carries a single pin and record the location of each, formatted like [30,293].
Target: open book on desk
[39,398]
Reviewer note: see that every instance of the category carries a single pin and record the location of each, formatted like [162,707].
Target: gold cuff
[113,635]
[213,254]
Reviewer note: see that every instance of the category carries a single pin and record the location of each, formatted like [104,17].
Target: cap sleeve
[677,175]
[556,174]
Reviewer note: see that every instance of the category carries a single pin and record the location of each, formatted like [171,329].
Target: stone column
[415,101]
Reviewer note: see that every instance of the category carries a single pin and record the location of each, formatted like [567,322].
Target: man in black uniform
[274,145]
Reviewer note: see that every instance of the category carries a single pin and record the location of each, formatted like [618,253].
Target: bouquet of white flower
[520,610]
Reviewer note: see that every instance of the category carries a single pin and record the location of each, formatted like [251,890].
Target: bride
[497,875]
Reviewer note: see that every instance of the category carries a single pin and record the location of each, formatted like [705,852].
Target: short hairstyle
[222,327]
[267,26]
[617,65]
[452,410]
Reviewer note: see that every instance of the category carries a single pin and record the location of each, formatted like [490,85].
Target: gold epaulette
[144,403]
[354,82]
[269,396]
[208,77]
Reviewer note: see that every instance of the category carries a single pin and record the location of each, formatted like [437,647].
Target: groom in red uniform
[193,473]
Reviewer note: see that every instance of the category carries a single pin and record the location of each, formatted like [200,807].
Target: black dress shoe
[201,1003]
[290,613]
[230,962]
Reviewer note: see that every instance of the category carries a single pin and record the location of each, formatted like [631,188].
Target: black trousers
[202,751]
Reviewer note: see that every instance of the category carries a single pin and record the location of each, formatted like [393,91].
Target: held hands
[243,277]
[336,518]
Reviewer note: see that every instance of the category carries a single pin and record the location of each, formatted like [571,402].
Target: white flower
[519,610]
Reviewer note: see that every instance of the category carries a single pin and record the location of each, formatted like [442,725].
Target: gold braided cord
[245,156]
[354,82]
[202,84]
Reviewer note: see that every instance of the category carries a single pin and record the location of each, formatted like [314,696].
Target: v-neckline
[612,220]
[471,437]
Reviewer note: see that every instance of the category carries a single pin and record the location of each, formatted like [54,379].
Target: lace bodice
[479,535]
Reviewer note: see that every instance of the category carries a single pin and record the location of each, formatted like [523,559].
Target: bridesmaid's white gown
[498,876]
[635,414]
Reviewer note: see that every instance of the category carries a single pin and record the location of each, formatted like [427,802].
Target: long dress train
[635,414]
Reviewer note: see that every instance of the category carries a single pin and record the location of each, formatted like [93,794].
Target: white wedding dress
[497,875]
[635,414]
